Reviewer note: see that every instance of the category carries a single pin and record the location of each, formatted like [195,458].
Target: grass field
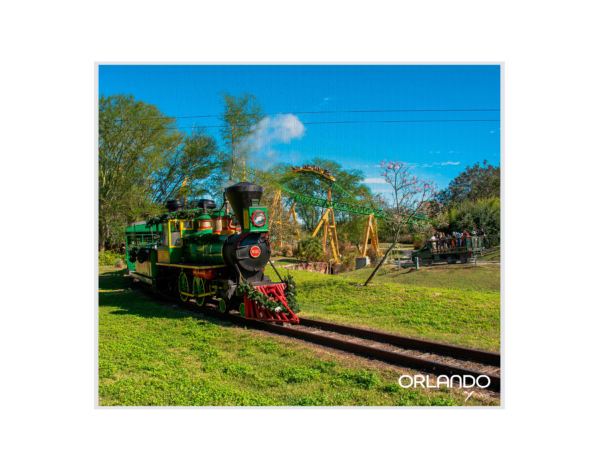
[452,304]
[158,354]
[494,256]
[458,276]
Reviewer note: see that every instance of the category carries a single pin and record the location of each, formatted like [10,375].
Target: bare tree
[413,203]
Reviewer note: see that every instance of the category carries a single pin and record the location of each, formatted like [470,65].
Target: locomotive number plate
[255,251]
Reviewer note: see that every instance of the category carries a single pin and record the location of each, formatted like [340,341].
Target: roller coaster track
[336,205]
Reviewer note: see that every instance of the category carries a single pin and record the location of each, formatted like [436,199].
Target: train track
[434,357]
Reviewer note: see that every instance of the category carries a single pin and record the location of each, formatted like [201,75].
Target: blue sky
[436,150]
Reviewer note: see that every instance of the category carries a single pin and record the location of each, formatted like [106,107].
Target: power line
[357,122]
[304,112]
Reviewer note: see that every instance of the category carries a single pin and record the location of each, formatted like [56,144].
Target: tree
[184,173]
[239,114]
[474,183]
[411,198]
[134,139]
[310,185]
[483,214]
[144,161]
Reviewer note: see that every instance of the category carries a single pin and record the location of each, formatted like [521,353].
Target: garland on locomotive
[202,254]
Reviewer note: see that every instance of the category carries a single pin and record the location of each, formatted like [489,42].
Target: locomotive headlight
[259,218]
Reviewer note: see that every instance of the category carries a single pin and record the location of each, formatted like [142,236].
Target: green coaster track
[335,205]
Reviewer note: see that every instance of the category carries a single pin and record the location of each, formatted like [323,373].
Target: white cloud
[492,132]
[451,151]
[270,132]
[438,152]
[374,180]
[450,163]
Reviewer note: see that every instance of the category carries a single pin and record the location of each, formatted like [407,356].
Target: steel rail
[392,357]
[432,366]
[436,347]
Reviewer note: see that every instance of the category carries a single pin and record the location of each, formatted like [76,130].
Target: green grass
[494,256]
[457,276]
[467,317]
[157,354]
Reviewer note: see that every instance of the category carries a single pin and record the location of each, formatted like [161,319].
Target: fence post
[475,259]
[417,262]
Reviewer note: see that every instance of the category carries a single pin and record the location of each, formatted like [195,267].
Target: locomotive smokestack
[241,196]
[175,205]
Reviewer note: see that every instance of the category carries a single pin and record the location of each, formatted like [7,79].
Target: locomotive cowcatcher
[201,254]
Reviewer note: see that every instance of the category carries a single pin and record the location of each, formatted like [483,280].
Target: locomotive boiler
[216,255]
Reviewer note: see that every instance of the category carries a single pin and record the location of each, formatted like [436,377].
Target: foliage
[309,248]
[143,161]
[469,215]
[349,261]
[239,114]
[477,182]
[291,294]
[310,185]
[372,253]
[109,257]
[417,241]
[351,227]
[185,171]
[132,254]
[261,298]
[162,218]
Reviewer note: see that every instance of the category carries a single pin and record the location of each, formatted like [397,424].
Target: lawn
[457,276]
[494,256]
[468,317]
[159,354]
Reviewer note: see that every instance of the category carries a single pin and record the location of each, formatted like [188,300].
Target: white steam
[258,146]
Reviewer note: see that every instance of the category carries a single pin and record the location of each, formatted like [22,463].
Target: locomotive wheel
[184,286]
[223,305]
[242,309]
[199,288]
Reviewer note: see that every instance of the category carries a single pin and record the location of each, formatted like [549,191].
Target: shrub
[417,241]
[309,248]
[109,258]
[349,261]
[372,253]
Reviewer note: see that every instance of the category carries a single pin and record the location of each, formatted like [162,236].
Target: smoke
[258,147]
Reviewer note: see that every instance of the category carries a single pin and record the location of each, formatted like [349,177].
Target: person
[433,244]
[467,238]
[122,248]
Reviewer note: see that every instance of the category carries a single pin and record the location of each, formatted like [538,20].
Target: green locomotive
[201,254]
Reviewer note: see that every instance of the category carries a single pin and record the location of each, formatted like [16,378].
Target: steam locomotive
[202,254]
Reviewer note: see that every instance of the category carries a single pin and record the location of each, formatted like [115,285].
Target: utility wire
[300,112]
[353,122]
